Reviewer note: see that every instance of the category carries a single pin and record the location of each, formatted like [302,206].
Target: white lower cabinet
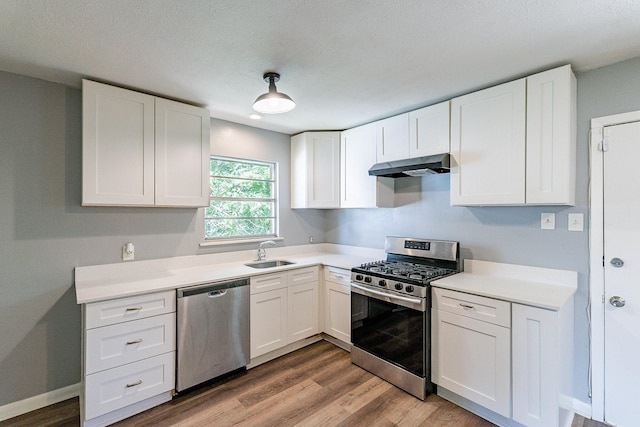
[284,309]
[302,303]
[537,370]
[128,356]
[268,321]
[337,303]
[519,370]
[472,357]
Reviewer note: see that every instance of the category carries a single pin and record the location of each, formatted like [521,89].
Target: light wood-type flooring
[314,386]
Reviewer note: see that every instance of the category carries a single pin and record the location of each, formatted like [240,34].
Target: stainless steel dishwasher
[212,331]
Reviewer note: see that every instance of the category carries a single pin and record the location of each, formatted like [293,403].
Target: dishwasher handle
[211,288]
[217,294]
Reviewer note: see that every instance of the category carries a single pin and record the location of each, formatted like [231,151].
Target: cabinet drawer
[268,282]
[116,388]
[476,307]
[303,275]
[125,309]
[337,275]
[123,343]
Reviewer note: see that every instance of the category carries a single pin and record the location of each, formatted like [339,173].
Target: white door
[622,278]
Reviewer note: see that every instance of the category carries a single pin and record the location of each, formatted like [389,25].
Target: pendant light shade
[273,102]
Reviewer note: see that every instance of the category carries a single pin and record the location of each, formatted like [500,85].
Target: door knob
[617,262]
[617,301]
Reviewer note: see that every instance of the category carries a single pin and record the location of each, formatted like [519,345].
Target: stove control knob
[367,279]
[409,288]
[382,283]
[399,286]
[358,277]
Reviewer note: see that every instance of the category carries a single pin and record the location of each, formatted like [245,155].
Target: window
[243,200]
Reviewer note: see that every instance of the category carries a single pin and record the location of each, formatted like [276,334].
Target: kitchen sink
[269,264]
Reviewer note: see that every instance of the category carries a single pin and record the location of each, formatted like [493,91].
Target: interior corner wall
[507,234]
[45,232]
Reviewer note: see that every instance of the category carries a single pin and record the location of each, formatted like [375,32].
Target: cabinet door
[551,137]
[392,138]
[535,366]
[181,154]
[302,301]
[117,146]
[357,155]
[315,170]
[429,130]
[337,306]
[268,321]
[488,146]
[473,359]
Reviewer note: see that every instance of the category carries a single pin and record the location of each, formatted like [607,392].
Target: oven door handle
[383,294]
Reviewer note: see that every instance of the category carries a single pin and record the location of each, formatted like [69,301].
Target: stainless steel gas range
[391,310]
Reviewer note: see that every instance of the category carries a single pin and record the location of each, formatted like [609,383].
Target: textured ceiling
[344,62]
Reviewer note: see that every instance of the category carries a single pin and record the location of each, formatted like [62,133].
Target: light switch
[576,222]
[548,221]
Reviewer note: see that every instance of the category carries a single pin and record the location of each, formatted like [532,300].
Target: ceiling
[344,62]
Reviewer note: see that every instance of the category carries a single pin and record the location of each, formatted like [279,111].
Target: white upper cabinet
[392,138]
[117,146]
[515,144]
[357,155]
[140,150]
[429,130]
[551,137]
[181,154]
[488,146]
[315,170]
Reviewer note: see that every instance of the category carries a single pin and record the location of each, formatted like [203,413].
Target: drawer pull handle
[467,306]
[139,340]
[138,308]
[134,384]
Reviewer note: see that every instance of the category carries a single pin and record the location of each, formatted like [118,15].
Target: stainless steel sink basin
[269,264]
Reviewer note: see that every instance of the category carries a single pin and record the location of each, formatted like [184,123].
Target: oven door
[393,328]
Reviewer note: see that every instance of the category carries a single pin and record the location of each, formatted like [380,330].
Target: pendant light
[273,102]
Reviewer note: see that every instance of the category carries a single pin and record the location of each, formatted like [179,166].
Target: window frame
[275,200]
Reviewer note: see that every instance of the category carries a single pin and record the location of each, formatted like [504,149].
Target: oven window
[389,331]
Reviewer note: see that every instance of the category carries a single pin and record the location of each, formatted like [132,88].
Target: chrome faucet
[262,253]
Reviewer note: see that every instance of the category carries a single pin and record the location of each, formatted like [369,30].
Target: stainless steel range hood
[419,166]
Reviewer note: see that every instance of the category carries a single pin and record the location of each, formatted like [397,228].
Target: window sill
[239,241]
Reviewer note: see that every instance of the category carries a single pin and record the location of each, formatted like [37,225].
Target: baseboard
[40,401]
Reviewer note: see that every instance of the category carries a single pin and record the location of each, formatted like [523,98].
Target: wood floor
[314,386]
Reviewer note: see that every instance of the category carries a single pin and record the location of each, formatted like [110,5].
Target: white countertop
[103,282]
[539,287]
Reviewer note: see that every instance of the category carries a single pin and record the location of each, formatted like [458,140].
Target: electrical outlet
[128,252]
[310,239]
[548,221]
[576,222]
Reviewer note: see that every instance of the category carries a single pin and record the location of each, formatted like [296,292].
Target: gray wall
[45,233]
[506,234]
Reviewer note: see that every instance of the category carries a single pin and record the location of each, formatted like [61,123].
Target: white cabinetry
[488,146]
[429,130]
[284,309]
[542,348]
[141,150]
[128,356]
[514,144]
[315,170]
[551,137]
[357,155]
[337,303]
[472,340]
[392,138]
